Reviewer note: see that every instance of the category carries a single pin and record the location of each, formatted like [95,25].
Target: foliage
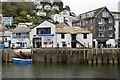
[19,11]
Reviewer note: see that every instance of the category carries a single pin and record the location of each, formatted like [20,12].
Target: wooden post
[79,52]
[113,57]
[87,53]
[84,51]
[96,56]
[102,56]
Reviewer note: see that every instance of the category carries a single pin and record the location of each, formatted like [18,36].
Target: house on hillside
[20,37]
[101,23]
[41,13]
[7,21]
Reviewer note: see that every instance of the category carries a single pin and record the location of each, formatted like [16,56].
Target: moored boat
[22,61]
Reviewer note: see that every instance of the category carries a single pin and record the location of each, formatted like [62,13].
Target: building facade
[101,23]
[43,35]
[73,37]
[20,37]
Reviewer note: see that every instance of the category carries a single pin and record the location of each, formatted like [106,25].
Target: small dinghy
[22,61]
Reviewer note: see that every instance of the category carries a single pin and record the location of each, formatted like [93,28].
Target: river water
[48,70]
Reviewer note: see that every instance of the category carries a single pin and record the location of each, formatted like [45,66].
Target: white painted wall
[44,24]
[15,40]
[111,41]
[80,38]
[67,40]
[96,42]
[57,17]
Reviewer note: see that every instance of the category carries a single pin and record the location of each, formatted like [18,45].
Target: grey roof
[21,29]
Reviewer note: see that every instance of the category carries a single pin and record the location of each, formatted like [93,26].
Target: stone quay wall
[70,55]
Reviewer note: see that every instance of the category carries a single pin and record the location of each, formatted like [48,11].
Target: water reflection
[59,71]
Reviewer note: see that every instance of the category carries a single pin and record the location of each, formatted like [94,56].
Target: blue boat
[2,45]
[22,61]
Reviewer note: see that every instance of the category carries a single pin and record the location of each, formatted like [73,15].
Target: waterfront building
[20,37]
[117,27]
[7,38]
[101,23]
[73,37]
[47,34]
[3,36]
[43,35]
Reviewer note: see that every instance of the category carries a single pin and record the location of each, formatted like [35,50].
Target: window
[62,36]
[104,14]
[43,30]
[101,35]
[101,28]
[110,28]
[84,36]
[110,21]
[101,21]
[18,35]
[110,34]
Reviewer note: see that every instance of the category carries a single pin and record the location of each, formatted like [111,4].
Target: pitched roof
[21,29]
[71,30]
[96,11]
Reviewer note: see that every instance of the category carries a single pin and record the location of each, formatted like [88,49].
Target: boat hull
[22,61]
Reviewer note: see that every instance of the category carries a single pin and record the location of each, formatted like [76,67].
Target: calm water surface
[59,71]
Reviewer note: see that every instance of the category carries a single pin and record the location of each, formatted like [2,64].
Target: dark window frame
[62,36]
[85,36]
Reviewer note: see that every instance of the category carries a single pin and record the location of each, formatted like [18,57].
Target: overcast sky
[81,6]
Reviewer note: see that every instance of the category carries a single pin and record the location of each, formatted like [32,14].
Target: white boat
[22,61]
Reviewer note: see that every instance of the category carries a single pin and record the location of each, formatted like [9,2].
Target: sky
[81,6]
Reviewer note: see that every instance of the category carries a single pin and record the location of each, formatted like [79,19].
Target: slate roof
[21,29]
[96,11]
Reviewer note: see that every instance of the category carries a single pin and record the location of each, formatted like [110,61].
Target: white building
[7,38]
[4,36]
[20,37]
[117,27]
[55,7]
[47,35]
[41,13]
[43,35]
[65,13]
[58,18]
[73,37]
[47,6]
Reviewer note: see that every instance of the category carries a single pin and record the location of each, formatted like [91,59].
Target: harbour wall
[69,55]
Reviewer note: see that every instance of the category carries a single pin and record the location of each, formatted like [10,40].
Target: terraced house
[101,23]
